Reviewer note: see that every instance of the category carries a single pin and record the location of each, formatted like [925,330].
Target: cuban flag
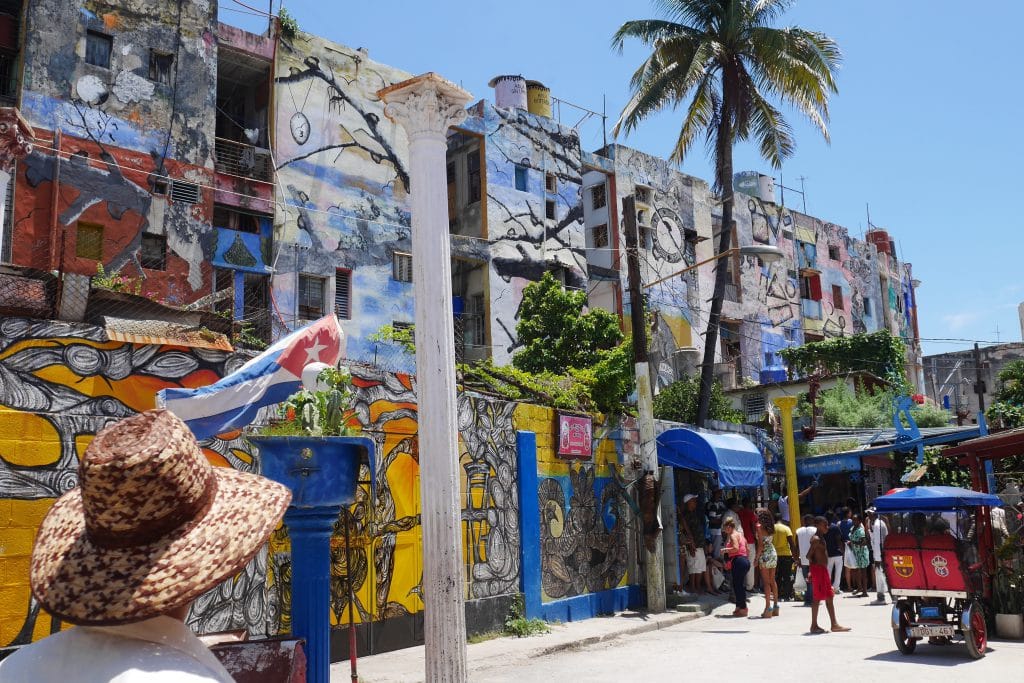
[271,377]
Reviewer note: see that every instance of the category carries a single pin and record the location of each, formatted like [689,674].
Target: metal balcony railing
[240,159]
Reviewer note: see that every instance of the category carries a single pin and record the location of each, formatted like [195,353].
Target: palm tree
[724,61]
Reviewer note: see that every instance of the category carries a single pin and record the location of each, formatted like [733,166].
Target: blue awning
[735,460]
[934,498]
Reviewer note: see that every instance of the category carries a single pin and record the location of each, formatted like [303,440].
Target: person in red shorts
[821,582]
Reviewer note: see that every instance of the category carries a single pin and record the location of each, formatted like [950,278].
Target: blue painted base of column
[589,605]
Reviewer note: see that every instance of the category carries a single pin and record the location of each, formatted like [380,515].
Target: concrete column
[309,530]
[426,106]
[654,561]
[15,143]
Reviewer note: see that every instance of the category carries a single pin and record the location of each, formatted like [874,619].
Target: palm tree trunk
[723,168]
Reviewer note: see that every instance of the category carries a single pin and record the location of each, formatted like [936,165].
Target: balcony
[242,160]
[807,256]
[810,309]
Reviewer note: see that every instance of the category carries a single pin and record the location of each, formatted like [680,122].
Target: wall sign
[574,436]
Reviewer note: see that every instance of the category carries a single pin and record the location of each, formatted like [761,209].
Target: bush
[678,402]
[516,623]
[930,415]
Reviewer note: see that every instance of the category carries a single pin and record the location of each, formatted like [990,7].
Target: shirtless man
[821,582]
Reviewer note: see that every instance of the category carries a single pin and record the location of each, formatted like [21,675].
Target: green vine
[289,24]
[879,353]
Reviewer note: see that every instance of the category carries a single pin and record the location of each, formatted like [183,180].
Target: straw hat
[151,527]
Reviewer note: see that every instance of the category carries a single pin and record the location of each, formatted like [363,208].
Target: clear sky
[925,128]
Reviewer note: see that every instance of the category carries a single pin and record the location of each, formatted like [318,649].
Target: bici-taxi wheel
[904,642]
[976,633]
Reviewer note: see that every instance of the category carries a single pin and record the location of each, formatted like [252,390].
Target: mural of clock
[669,238]
[299,126]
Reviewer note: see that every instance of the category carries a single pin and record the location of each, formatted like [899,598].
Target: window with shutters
[837,298]
[154,252]
[598,197]
[401,267]
[98,47]
[343,294]
[810,287]
[551,183]
[89,241]
[600,236]
[311,297]
[549,209]
[754,406]
[522,178]
[187,193]
[473,175]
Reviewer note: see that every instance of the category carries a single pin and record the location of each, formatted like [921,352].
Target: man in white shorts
[691,545]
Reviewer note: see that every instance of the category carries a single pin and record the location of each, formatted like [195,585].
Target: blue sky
[925,128]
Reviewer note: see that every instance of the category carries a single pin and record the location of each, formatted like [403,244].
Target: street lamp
[765,252]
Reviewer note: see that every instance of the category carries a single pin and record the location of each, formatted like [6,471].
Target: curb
[633,630]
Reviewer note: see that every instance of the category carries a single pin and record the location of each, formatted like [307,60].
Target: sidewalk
[407,665]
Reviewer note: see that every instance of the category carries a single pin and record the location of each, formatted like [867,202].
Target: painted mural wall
[343,184]
[125,128]
[60,383]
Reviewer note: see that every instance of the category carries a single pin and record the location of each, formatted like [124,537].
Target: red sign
[574,436]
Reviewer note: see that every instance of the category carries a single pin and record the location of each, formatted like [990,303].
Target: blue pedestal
[310,531]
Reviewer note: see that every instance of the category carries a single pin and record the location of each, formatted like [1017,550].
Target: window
[473,175]
[400,326]
[227,217]
[643,194]
[755,406]
[160,186]
[549,209]
[521,178]
[600,236]
[810,287]
[311,297]
[89,241]
[551,182]
[641,217]
[154,252]
[160,67]
[450,172]
[598,198]
[98,47]
[343,294]
[401,267]
[187,193]
[833,252]
[837,297]
[867,306]
[769,358]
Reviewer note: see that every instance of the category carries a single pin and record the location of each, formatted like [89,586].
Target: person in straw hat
[150,528]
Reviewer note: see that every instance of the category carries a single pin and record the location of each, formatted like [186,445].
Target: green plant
[830,447]
[403,336]
[1008,408]
[555,334]
[245,337]
[289,25]
[941,470]
[879,353]
[324,412]
[116,282]
[516,623]
[1008,583]
[678,402]
[930,415]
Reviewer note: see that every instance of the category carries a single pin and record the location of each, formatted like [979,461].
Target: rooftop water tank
[509,91]
[538,98]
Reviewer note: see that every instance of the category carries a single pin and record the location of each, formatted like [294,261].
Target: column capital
[15,138]
[426,106]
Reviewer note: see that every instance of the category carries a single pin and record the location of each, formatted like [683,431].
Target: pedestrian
[817,557]
[879,530]
[834,544]
[787,552]
[735,552]
[691,545]
[803,541]
[748,520]
[857,558]
[716,509]
[845,525]
[784,503]
[151,527]
[767,561]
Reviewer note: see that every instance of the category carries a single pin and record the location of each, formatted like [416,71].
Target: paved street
[736,649]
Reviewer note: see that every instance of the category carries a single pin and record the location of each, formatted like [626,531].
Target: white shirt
[157,650]
[999,520]
[878,533]
[784,508]
[803,542]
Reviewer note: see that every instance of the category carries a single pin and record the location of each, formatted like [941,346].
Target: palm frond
[700,118]
[700,14]
[770,129]
[765,12]
[649,32]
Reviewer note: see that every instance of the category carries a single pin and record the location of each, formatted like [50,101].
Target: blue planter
[319,470]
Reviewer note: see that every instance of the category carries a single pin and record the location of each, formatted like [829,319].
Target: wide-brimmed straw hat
[151,526]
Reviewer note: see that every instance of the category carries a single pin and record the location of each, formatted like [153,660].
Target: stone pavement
[508,651]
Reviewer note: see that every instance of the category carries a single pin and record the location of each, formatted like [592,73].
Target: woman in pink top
[735,552]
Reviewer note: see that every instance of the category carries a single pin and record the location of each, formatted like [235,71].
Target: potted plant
[1008,591]
[314,447]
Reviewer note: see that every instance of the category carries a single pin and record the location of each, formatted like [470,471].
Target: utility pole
[426,106]
[654,562]
[979,386]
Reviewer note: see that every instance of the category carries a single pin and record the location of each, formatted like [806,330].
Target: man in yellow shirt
[785,548]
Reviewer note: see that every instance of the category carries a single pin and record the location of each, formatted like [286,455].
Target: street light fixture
[765,252]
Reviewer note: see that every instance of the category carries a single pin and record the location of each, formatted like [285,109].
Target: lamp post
[765,252]
[426,106]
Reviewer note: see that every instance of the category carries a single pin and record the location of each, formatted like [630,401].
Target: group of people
[738,549]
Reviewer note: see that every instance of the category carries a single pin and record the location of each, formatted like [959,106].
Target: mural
[60,383]
[121,135]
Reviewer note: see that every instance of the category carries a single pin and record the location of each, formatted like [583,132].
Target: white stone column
[426,106]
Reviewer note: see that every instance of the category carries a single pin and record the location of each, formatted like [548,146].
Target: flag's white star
[313,352]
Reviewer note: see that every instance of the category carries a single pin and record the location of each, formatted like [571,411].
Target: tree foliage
[678,402]
[556,335]
[868,409]
[879,353]
[942,470]
[1008,408]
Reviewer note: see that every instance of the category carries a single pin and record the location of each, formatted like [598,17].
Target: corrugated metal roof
[162,332]
[876,437]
